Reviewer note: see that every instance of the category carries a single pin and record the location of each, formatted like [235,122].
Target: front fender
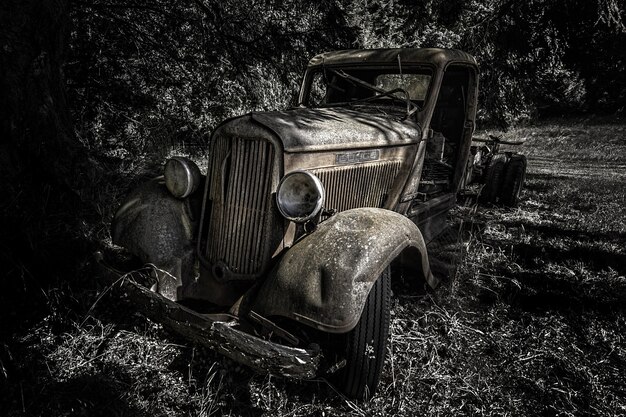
[159,229]
[324,279]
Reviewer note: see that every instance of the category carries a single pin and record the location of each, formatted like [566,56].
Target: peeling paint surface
[323,281]
[315,129]
[159,229]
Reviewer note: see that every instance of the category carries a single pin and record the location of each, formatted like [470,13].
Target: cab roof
[437,56]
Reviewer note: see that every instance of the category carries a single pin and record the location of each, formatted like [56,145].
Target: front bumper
[219,333]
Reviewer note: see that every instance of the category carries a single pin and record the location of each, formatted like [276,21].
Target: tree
[536,56]
[149,75]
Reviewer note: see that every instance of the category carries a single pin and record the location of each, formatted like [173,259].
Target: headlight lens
[182,176]
[300,196]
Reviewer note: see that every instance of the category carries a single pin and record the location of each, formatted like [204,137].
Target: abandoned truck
[293,234]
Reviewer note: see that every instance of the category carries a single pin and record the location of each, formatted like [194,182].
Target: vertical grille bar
[247,213]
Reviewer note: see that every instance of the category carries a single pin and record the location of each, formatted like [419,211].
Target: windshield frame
[427,68]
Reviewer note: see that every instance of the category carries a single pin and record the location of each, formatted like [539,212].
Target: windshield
[337,86]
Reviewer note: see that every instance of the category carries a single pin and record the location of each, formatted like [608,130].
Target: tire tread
[514,176]
[359,378]
[493,179]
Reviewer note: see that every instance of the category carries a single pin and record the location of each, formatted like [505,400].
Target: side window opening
[317,94]
[448,124]
[450,110]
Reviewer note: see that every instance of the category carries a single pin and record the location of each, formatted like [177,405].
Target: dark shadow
[86,395]
[548,178]
[536,292]
[551,230]
[446,252]
[542,294]
[597,259]
[547,230]
[536,186]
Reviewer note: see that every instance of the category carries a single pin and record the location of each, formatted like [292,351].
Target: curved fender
[159,229]
[324,279]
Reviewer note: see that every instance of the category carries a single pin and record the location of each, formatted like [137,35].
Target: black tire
[513,182]
[364,348]
[494,177]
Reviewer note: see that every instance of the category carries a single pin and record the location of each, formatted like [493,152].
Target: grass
[532,323]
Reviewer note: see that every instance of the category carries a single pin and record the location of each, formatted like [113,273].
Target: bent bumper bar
[224,338]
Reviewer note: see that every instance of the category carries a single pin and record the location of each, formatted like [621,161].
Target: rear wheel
[513,180]
[364,347]
[493,179]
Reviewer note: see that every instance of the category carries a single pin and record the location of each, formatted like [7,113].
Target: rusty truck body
[292,229]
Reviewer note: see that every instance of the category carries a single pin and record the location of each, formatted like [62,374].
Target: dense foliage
[146,75]
[149,75]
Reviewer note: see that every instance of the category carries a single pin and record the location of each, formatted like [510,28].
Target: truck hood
[330,128]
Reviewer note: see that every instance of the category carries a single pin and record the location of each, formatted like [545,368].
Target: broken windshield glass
[335,87]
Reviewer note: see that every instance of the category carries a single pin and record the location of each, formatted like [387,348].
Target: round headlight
[182,176]
[300,196]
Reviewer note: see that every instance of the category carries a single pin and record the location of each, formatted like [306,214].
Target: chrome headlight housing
[300,196]
[182,176]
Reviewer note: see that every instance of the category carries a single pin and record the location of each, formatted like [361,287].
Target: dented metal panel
[220,332]
[159,229]
[324,279]
[319,160]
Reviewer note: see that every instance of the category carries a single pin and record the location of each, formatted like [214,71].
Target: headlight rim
[192,176]
[319,204]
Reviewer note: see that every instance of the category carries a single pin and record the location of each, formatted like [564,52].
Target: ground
[531,324]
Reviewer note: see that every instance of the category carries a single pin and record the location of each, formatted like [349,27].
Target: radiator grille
[240,175]
[365,185]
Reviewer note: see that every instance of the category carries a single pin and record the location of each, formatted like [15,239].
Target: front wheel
[364,347]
